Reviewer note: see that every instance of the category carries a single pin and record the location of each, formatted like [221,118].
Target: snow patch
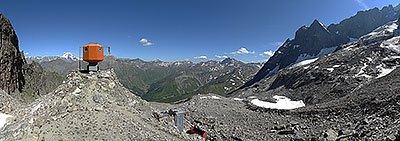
[282,102]
[361,73]
[392,44]
[335,66]
[238,99]
[210,97]
[3,119]
[384,71]
[330,69]
[226,88]
[381,31]
[391,57]
[305,62]
[322,52]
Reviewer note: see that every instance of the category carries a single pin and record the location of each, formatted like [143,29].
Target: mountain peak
[69,56]
[316,24]
[229,60]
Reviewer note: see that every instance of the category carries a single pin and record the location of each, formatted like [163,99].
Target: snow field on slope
[282,102]
[392,44]
[3,119]
[305,62]
[210,97]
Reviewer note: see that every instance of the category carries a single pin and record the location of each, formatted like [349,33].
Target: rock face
[11,60]
[318,39]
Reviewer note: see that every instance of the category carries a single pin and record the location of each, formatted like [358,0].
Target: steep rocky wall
[11,61]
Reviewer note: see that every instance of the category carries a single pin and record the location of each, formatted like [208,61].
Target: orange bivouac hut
[93,53]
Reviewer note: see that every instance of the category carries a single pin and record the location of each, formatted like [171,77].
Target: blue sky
[171,30]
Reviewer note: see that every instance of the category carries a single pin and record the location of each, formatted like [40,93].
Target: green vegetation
[172,86]
[138,80]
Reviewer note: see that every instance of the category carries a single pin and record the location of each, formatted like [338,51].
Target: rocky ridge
[90,106]
[318,39]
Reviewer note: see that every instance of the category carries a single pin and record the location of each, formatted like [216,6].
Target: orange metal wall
[93,54]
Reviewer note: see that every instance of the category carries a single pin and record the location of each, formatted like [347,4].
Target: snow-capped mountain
[360,77]
[317,39]
[337,75]
[67,56]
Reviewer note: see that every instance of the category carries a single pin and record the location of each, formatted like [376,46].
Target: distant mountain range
[67,56]
[164,81]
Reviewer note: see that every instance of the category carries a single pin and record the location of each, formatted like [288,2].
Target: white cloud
[200,57]
[26,53]
[145,42]
[241,51]
[362,4]
[223,56]
[267,53]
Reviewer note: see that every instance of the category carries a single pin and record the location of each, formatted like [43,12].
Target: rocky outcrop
[90,106]
[11,61]
[318,39]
